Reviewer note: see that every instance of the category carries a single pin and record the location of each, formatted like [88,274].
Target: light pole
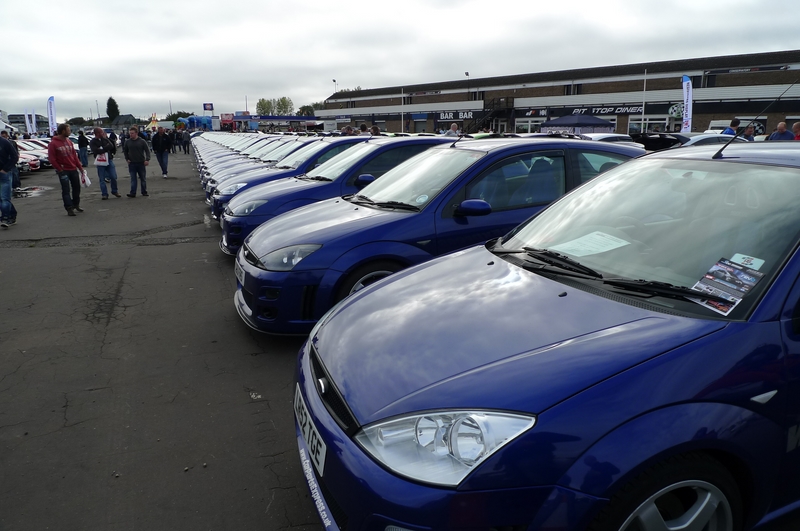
[335,87]
[467,74]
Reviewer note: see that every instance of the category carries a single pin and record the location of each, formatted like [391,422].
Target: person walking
[83,148]
[172,140]
[103,144]
[137,155]
[796,130]
[161,147]
[453,131]
[8,163]
[15,180]
[187,139]
[749,133]
[781,133]
[61,152]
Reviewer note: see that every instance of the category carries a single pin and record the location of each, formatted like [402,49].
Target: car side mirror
[473,207]
[363,180]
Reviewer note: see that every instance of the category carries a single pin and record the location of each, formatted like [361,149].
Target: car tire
[685,486]
[365,275]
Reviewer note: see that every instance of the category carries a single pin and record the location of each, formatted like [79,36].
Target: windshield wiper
[559,260]
[361,199]
[664,289]
[397,204]
[314,178]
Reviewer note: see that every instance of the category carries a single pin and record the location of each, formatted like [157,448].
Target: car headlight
[231,189]
[441,447]
[245,209]
[285,259]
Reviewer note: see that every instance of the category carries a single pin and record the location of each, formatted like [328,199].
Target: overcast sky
[149,54]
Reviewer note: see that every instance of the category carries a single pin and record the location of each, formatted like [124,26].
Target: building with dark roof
[633,97]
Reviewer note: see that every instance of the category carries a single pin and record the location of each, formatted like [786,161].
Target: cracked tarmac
[123,363]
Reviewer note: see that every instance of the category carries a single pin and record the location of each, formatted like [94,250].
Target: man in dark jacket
[102,144]
[161,147]
[137,155]
[8,162]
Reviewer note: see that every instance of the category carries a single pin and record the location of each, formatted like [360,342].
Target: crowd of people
[70,164]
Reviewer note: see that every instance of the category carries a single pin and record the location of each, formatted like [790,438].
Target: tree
[175,115]
[284,106]
[318,105]
[78,120]
[305,110]
[112,109]
[265,107]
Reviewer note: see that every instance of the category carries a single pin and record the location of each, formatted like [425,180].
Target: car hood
[471,330]
[274,190]
[318,223]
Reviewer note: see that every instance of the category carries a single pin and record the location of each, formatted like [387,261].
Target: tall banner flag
[28,126]
[32,118]
[51,115]
[687,105]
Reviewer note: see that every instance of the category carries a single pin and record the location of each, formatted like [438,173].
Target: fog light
[271,293]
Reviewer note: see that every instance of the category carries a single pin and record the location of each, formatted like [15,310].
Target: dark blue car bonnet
[320,223]
[273,190]
[566,343]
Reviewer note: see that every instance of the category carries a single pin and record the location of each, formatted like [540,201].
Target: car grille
[309,300]
[332,399]
[250,256]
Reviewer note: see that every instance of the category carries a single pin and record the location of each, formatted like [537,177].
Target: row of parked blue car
[528,333]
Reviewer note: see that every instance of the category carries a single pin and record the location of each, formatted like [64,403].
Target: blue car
[336,178]
[588,370]
[294,267]
[315,152]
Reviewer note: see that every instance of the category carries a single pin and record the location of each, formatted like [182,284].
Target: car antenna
[718,154]
[456,140]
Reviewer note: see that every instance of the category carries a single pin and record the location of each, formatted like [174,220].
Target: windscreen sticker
[593,243]
[748,261]
[728,280]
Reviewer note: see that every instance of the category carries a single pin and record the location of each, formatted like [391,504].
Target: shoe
[131,195]
[4,224]
[164,175]
[104,198]
[12,222]
[79,209]
[71,212]
[115,194]
[107,180]
[145,194]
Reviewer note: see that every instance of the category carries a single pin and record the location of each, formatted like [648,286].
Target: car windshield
[421,178]
[343,162]
[282,151]
[295,159]
[264,147]
[687,223]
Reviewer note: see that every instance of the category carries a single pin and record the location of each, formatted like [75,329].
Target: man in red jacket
[62,155]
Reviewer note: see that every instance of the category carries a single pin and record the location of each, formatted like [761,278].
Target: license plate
[239,272]
[316,447]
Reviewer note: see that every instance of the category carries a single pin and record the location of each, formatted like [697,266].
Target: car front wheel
[692,492]
[365,275]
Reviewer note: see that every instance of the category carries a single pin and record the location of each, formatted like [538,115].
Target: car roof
[543,142]
[775,153]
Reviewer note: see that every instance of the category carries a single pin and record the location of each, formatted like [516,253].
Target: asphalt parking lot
[132,396]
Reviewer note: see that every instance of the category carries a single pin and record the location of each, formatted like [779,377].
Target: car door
[516,187]
[382,162]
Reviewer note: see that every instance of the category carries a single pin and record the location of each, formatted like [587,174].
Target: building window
[406,100]
[567,90]
[577,89]
[351,104]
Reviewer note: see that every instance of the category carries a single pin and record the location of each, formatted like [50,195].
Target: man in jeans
[61,152]
[102,144]
[162,146]
[137,155]
[8,163]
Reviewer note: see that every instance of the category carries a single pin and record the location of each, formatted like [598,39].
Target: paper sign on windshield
[728,280]
[593,243]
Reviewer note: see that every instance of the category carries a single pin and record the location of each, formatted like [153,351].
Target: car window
[386,161]
[590,164]
[328,155]
[520,181]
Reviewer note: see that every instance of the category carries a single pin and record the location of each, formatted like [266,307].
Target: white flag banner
[30,120]
[687,105]
[51,115]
